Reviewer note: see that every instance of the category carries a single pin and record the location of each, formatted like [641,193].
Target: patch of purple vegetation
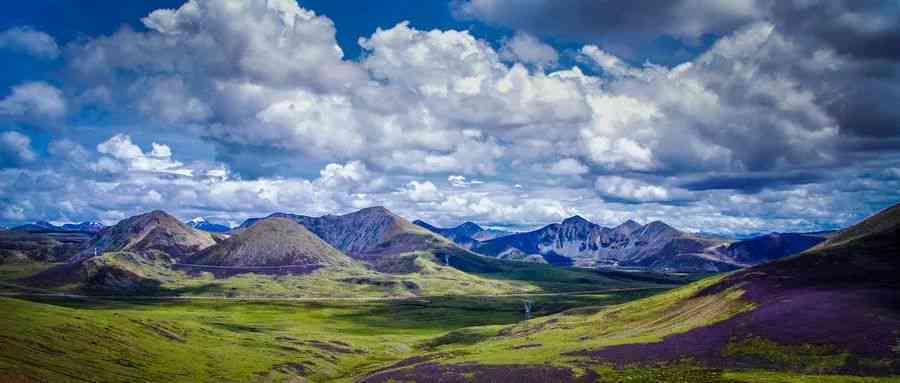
[846,297]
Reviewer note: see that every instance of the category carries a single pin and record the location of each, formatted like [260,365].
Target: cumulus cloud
[15,148]
[631,190]
[526,48]
[769,113]
[421,101]
[459,181]
[567,167]
[31,41]
[122,155]
[421,192]
[33,102]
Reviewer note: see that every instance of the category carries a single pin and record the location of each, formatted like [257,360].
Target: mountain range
[44,226]
[467,234]
[368,246]
[376,235]
[655,246]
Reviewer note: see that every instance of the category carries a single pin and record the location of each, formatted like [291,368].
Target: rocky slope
[273,241]
[151,231]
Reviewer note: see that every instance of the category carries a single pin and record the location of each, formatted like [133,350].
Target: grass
[806,358]
[638,321]
[209,340]
[786,377]
[225,341]
[106,340]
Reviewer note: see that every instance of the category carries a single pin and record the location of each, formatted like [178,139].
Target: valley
[371,297]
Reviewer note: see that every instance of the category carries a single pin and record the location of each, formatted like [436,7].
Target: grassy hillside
[223,341]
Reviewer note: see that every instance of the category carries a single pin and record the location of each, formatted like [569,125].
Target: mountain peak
[272,241]
[628,226]
[198,220]
[576,220]
[660,227]
[380,210]
[156,230]
[469,228]
[156,214]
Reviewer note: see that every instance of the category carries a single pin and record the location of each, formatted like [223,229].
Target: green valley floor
[208,340]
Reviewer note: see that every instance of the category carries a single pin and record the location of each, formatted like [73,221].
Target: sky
[728,117]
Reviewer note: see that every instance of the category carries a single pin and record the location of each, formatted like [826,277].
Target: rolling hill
[155,230]
[272,241]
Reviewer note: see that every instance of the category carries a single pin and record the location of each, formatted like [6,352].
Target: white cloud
[27,39]
[457,181]
[526,48]
[351,177]
[16,148]
[610,63]
[68,151]
[626,189]
[424,191]
[33,102]
[124,155]
[567,167]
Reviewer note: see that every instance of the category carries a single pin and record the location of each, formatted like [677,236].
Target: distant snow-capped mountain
[201,223]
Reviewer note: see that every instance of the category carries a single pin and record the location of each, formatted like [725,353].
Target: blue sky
[725,117]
